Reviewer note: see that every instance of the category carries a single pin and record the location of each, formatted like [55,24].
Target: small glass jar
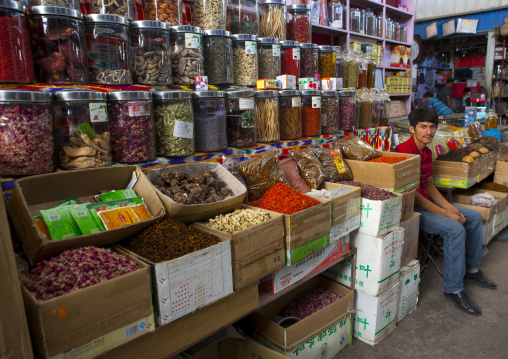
[82,129]
[308,60]
[349,70]
[338,60]
[371,66]
[242,17]
[117,7]
[241,118]
[151,53]
[355,19]
[491,120]
[336,17]
[290,58]
[326,61]
[330,112]
[209,14]
[362,21]
[269,63]
[166,11]
[362,75]
[389,29]
[370,23]
[272,19]
[245,60]
[267,115]
[298,23]
[290,114]
[108,55]
[311,113]
[380,25]
[26,133]
[396,31]
[347,110]
[174,123]
[186,44]
[132,126]
[68,4]
[218,49]
[383,109]
[403,32]
[58,44]
[210,120]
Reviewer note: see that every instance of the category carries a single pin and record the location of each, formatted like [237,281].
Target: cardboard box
[464,197]
[408,289]
[247,348]
[487,213]
[408,204]
[501,172]
[256,251]
[398,177]
[483,166]
[31,194]
[73,319]
[492,162]
[397,109]
[454,174]
[346,206]
[488,232]
[286,276]
[411,234]
[380,217]
[345,228]
[299,253]
[499,222]
[375,317]
[185,284]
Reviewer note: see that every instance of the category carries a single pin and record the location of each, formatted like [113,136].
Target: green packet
[117,195]
[84,219]
[96,207]
[65,202]
[60,223]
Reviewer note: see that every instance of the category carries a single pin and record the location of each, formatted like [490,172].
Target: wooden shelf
[393,42]
[397,12]
[322,29]
[374,5]
[400,94]
[352,33]
[397,68]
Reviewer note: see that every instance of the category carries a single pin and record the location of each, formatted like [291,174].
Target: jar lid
[309,46]
[239,93]
[347,93]
[299,7]
[148,24]
[288,43]
[280,2]
[326,48]
[13,5]
[266,93]
[80,95]
[193,29]
[245,37]
[328,93]
[268,40]
[113,19]
[24,95]
[217,33]
[129,95]
[311,93]
[54,10]
[169,95]
[337,48]
[290,93]
[205,94]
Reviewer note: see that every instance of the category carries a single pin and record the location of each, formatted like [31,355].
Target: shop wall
[431,9]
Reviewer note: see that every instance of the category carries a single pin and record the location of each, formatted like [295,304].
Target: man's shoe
[479,279]
[463,302]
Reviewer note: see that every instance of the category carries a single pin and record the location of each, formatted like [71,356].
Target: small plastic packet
[334,165]
[355,149]
[83,218]
[483,200]
[293,177]
[60,223]
[311,169]
[231,164]
[116,195]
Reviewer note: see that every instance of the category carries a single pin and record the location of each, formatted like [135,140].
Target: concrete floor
[438,329]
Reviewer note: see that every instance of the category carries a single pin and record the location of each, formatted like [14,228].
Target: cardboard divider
[408,204]
[411,234]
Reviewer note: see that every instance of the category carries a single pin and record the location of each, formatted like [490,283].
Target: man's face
[424,132]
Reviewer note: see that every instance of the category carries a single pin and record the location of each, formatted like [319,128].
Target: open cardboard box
[483,168]
[454,174]
[464,197]
[380,217]
[31,194]
[501,172]
[345,206]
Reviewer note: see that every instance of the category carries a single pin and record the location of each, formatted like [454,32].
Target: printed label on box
[251,47]
[98,112]
[183,129]
[192,41]
[341,229]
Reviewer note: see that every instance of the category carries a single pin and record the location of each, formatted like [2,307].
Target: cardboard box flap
[487,213]
[456,170]
[345,206]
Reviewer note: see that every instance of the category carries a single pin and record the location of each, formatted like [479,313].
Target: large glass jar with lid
[210,121]
[245,60]
[330,112]
[68,4]
[371,66]
[326,61]
[380,25]
[82,129]
[117,7]
[349,70]
[272,19]
[383,108]
[58,44]
[151,53]
[370,23]
[389,29]
[218,49]
[267,115]
[209,14]
[403,32]
[269,62]
[347,107]
[355,19]
[362,21]
[491,120]
[339,57]
[187,47]
[290,114]
[336,12]
[298,23]
[308,60]
[376,105]
[241,118]
[362,75]
[396,31]
[366,109]
[26,133]
[290,58]
[311,113]
[242,17]
[166,11]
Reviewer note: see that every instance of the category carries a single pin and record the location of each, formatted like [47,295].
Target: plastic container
[403,32]
[26,133]
[380,25]
[166,11]
[290,58]
[107,42]
[311,113]
[242,17]
[336,12]
[151,53]
[174,123]
[396,31]
[490,120]
[496,88]
[112,7]
[209,14]
[330,116]
[349,70]
[355,19]
[371,66]
[189,63]
[347,110]
[272,19]
[339,57]
[326,61]
[308,60]
[241,118]
[68,4]
[82,121]
[298,23]
[269,62]
[132,126]
[267,115]
[370,23]
[218,49]
[245,60]
[362,75]
[210,121]
[376,106]
[358,107]
[57,35]
[290,114]
[389,28]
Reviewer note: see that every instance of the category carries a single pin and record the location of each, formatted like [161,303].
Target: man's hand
[453,213]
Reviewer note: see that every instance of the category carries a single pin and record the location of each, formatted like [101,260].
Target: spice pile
[470,151]
[238,220]
[388,159]
[371,192]
[491,186]
[169,239]
[309,302]
[283,199]
[451,156]
[76,269]
[488,140]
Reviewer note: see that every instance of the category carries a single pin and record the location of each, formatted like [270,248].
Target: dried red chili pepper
[16,61]
[290,60]
[311,121]
[283,199]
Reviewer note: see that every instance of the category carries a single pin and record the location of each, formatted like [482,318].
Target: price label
[364,67]
[192,41]
[139,108]
[296,102]
[251,47]
[316,101]
[98,112]
[276,50]
[296,53]
[246,103]
[183,129]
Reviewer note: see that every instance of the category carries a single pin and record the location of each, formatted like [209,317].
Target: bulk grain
[210,14]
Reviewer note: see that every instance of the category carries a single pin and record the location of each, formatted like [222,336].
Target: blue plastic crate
[493,132]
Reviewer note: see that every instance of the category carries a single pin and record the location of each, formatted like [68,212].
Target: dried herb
[491,186]
[245,67]
[326,64]
[283,199]
[371,192]
[336,168]
[329,115]
[309,302]
[167,116]
[220,70]
[346,114]
[299,29]
[355,149]
[290,119]
[269,66]
[311,169]
[309,62]
[451,156]
[290,64]
[238,220]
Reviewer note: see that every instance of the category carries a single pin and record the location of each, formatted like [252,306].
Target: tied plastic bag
[355,149]
[483,200]
[293,177]
[230,164]
[336,168]
[311,169]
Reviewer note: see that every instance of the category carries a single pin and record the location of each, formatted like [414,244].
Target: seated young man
[438,106]
[461,228]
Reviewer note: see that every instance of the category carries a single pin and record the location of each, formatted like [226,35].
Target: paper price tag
[316,102]
[192,41]
[98,112]
[296,53]
[251,47]
[183,129]
[139,108]
[296,102]
[246,103]
[276,50]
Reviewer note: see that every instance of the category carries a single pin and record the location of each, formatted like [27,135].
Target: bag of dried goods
[334,165]
[230,164]
[355,149]
[292,174]
[311,169]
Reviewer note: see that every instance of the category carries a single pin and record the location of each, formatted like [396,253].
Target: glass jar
[490,120]
[347,110]
[290,58]
[290,114]
[311,113]
[82,129]
[380,25]
[308,60]
[241,118]
[366,109]
[370,23]
[16,62]
[326,61]
[389,29]
[132,126]
[107,42]
[383,108]
[26,133]
[355,19]
[166,11]
[371,76]
[267,115]
[242,17]
[272,19]
[403,32]
[496,89]
[269,64]
[396,31]
[336,17]
[210,120]
[218,49]
[376,106]
[151,53]
[58,44]
[174,123]
[298,23]
[209,14]
[68,4]
[108,7]
[338,59]
[498,71]
[362,21]
[189,63]
[358,102]
[362,75]
[349,70]
[330,112]
[245,60]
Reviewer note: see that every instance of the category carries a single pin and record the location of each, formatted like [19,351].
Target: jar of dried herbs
[267,115]
[347,110]
[371,66]
[242,17]
[362,75]
[329,112]
[290,58]
[112,7]
[186,44]
[308,60]
[298,26]
[311,113]
[241,118]
[269,62]
[290,114]
[380,25]
[349,70]
[218,50]
[210,120]
[272,19]
[389,29]
[326,61]
[209,14]
[354,20]
[174,123]
[167,11]
[245,60]
[370,23]
[366,109]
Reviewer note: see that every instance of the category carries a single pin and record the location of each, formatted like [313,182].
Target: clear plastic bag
[483,200]
[334,165]
[355,149]
[293,177]
[311,169]
[230,164]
